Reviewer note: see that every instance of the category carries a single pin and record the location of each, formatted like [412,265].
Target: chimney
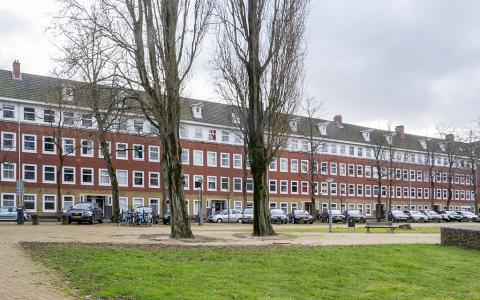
[338,119]
[400,130]
[16,70]
[450,137]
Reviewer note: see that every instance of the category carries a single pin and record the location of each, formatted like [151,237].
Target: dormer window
[423,143]
[197,111]
[67,94]
[322,127]
[366,135]
[389,139]
[235,118]
[293,125]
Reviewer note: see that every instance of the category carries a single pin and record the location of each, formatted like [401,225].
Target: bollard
[20,216]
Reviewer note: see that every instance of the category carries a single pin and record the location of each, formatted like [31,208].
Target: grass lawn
[356,272]
[360,228]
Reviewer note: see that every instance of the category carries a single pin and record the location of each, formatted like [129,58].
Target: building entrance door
[102,203]
[218,206]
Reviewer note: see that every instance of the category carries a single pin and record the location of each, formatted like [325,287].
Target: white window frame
[225,156]
[35,172]
[54,202]
[100,183]
[237,157]
[133,178]
[73,146]
[209,179]
[54,145]
[149,180]
[3,165]
[14,198]
[195,162]
[34,202]
[14,142]
[126,177]
[214,156]
[294,162]
[117,152]
[92,149]
[54,174]
[92,174]
[63,175]
[284,183]
[135,151]
[34,143]
[187,153]
[233,182]
[150,159]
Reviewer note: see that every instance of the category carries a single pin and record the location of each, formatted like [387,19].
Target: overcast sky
[409,62]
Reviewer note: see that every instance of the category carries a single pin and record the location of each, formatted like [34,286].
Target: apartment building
[213,153]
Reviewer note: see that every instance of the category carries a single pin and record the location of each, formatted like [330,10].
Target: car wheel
[239,221]
[92,220]
[219,220]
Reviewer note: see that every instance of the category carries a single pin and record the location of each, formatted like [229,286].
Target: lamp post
[330,226]
[200,210]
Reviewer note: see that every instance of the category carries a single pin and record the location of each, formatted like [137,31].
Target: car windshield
[301,212]
[276,212]
[397,212]
[354,212]
[432,213]
[467,213]
[248,211]
[82,206]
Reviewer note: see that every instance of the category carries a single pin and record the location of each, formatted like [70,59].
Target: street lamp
[200,210]
[330,226]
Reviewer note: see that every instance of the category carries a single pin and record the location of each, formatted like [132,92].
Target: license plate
[77,217]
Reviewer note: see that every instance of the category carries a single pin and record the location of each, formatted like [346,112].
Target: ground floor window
[8,199]
[351,206]
[284,207]
[237,205]
[123,203]
[30,202]
[137,202]
[273,205]
[294,206]
[49,203]
[249,204]
[360,208]
[68,202]
[155,204]
[196,207]
[334,205]
[324,206]
[368,209]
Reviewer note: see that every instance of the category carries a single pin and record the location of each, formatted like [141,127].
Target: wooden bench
[375,224]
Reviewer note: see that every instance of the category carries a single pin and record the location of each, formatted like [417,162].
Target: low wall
[461,237]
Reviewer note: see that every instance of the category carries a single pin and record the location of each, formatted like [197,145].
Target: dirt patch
[166,238]
[278,236]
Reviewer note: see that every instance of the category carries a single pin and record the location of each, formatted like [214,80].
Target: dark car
[336,216]
[398,216]
[301,216]
[356,215]
[85,212]
[278,216]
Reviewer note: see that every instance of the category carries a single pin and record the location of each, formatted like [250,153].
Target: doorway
[103,203]
[218,206]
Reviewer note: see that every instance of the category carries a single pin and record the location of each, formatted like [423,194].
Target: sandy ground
[20,278]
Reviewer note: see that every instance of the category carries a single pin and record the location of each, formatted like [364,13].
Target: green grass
[360,228]
[355,272]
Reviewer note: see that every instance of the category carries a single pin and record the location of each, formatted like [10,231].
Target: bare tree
[430,147]
[380,149]
[258,65]
[451,149]
[472,147]
[87,55]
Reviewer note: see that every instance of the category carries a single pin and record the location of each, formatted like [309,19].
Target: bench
[375,224]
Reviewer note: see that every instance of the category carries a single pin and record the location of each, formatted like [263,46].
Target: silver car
[8,213]
[417,216]
[227,215]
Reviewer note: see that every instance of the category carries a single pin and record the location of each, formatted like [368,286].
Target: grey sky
[407,62]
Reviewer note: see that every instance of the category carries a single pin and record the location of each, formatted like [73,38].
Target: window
[304,166]
[49,174]
[49,203]
[123,203]
[272,186]
[273,165]
[294,165]
[237,205]
[87,120]
[87,176]
[304,187]
[68,146]
[324,168]
[225,136]
[237,161]
[185,156]
[351,190]
[68,202]
[138,126]
[294,187]
[29,143]
[333,188]
[198,157]
[48,116]
[121,152]
[351,170]
[49,145]
[284,207]
[8,141]
[138,178]
[30,173]
[103,177]
[359,190]
[211,183]
[138,202]
[198,182]
[8,111]
[68,175]
[343,189]
[225,160]
[237,184]
[249,185]
[154,179]
[68,119]
[211,159]
[333,168]
[30,202]
[343,169]
[8,200]
[154,153]
[122,177]
[186,181]
[225,184]
[368,209]
[198,133]
[359,171]
[109,149]
[212,135]
[29,114]
[283,164]
[87,148]
[283,186]
[368,191]
[137,152]
[8,171]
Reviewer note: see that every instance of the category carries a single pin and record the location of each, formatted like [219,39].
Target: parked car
[433,216]
[453,216]
[398,216]
[301,216]
[336,216]
[247,216]
[356,215]
[8,213]
[226,215]
[278,216]
[85,212]
[468,216]
[416,216]
[443,215]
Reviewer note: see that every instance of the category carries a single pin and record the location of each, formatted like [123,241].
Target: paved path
[20,278]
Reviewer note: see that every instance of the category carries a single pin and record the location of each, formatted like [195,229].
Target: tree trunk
[379,200]
[107,157]
[450,192]
[245,174]
[261,218]
[164,172]
[59,187]
[432,190]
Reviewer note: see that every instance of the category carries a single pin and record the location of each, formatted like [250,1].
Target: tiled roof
[37,88]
